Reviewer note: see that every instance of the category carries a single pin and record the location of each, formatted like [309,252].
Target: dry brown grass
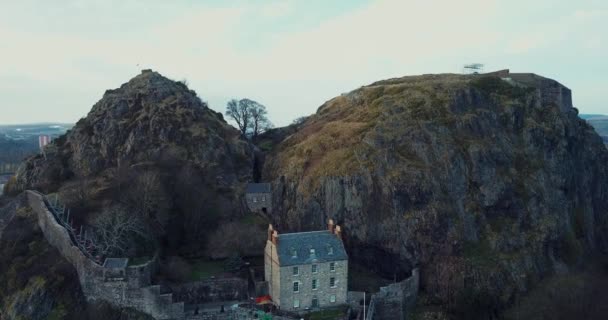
[331,142]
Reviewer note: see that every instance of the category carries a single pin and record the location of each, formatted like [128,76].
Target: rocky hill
[488,184]
[150,147]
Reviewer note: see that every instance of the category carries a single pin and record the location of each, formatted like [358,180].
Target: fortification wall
[198,292]
[394,300]
[133,290]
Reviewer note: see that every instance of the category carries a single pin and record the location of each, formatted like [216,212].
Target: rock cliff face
[487,184]
[150,118]
[153,146]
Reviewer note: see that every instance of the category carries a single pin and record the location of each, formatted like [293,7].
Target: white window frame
[315,284]
[296,303]
[255,199]
[296,284]
[332,298]
[263,198]
[314,268]
[332,267]
[295,271]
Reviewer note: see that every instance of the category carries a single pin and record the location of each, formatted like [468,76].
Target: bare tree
[300,120]
[114,231]
[147,198]
[259,119]
[250,116]
[239,113]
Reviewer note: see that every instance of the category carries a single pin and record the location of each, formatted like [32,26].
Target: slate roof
[327,247]
[116,263]
[258,188]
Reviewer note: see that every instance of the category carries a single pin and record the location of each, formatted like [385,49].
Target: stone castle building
[259,197]
[306,270]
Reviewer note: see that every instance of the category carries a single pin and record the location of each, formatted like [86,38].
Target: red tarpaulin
[263,299]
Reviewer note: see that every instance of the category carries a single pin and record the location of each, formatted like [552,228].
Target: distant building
[43,140]
[306,270]
[259,197]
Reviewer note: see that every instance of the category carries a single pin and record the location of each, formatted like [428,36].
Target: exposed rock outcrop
[487,184]
[153,147]
[150,118]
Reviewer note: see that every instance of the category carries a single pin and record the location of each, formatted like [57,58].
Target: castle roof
[308,247]
[258,188]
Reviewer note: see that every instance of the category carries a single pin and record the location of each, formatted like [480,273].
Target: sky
[57,57]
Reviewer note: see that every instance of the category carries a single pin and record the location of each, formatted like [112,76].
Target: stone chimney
[270,230]
[275,237]
[331,225]
[338,232]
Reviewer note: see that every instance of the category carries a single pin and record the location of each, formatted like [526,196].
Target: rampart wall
[133,290]
[395,300]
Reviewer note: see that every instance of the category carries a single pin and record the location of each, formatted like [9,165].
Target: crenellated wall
[133,290]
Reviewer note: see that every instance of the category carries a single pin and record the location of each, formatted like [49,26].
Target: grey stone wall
[257,201]
[229,289]
[306,293]
[393,301]
[134,290]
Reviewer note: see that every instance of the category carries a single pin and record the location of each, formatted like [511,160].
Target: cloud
[277,9]
[262,51]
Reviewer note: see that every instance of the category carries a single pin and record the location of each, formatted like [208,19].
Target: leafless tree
[115,229]
[240,114]
[250,116]
[146,197]
[300,120]
[259,120]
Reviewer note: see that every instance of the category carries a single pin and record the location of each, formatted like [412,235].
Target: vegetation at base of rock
[37,283]
[578,295]
[154,149]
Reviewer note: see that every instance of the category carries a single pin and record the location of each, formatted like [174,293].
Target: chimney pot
[275,237]
[270,230]
[338,232]
[331,225]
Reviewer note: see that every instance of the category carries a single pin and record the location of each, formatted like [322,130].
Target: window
[314,268]
[332,266]
[255,199]
[330,250]
[332,298]
[296,304]
[296,271]
[296,286]
[294,253]
[315,302]
[263,198]
[312,251]
[314,284]
[332,282]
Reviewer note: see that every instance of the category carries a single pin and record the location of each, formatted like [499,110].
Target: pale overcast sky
[58,57]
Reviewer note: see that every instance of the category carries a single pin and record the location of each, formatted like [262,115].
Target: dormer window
[312,251]
[255,199]
[330,250]
[294,253]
